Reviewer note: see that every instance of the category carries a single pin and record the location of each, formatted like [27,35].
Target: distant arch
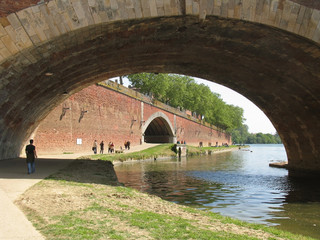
[158,129]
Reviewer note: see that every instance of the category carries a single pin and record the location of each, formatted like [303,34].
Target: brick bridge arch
[162,125]
[266,50]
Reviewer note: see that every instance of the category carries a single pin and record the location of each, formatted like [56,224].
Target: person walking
[31,156]
[112,147]
[94,147]
[109,147]
[101,147]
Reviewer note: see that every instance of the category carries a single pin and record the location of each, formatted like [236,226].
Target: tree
[151,84]
[184,92]
[242,136]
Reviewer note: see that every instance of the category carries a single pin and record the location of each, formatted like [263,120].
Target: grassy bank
[84,201]
[163,150]
[192,150]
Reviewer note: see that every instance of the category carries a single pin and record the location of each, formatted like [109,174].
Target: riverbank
[85,201]
[193,151]
[157,152]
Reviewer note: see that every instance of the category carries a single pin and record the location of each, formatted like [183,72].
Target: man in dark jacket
[31,156]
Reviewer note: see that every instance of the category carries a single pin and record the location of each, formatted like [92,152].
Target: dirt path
[77,155]
[14,181]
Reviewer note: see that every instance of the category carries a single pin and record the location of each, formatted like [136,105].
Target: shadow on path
[14,181]
[88,171]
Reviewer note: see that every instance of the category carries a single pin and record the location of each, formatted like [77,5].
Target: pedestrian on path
[31,156]
[94,147]
[101,147]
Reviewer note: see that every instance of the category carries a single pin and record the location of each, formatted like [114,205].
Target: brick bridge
[111,112]
[267,50]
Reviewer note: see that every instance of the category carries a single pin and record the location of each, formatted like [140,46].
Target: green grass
[73,226]
[158,226]
[163,150]
[192,150]
[172,227]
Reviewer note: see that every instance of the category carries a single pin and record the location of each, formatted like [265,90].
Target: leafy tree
[184,92]
[151,84]
[242,136]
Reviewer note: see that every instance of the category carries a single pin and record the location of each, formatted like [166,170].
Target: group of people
[110,147]
[31,153]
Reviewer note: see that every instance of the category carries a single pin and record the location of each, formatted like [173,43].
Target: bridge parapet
[32,26]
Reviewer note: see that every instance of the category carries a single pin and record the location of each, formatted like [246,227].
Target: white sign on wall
[79,141]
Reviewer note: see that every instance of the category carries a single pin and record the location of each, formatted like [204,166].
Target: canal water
[239,184]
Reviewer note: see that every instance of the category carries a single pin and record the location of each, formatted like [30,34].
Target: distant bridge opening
[158,131]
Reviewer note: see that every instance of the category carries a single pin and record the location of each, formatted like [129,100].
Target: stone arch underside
[158,129]
[277,70]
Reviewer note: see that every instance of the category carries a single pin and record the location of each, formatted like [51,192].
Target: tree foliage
[183,92]
[242,136]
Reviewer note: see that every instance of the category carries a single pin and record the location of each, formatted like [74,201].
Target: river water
[239,184]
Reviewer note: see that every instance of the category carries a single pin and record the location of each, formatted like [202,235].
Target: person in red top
[31,156]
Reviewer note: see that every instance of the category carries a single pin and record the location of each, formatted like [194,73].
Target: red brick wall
[191,132]
[109,118]
[194,133]
[148,110]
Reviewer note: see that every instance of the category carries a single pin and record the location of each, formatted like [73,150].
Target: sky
[256,120]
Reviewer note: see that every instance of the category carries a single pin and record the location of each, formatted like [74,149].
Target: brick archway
[162,130]
[53,49]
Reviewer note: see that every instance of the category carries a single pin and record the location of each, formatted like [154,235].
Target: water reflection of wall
[238,184]
[167,180]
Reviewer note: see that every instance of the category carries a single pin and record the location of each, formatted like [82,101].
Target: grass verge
[192,150]
[163,150]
